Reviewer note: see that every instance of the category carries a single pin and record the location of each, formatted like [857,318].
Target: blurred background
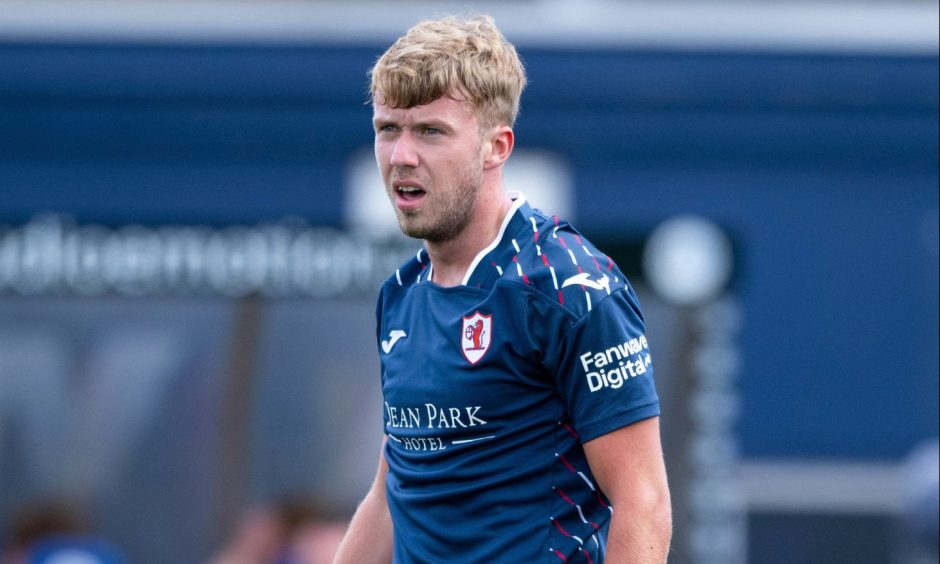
[193,231]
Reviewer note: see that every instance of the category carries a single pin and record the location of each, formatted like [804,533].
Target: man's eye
[432,131]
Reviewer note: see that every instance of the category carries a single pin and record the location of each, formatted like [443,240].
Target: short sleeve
[603,368]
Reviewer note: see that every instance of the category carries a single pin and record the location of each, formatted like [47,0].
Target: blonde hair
[463,58]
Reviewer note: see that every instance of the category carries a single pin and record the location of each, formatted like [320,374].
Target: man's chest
[455,369]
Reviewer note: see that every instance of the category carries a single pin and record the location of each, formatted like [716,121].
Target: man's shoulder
[409,273]
[563,266]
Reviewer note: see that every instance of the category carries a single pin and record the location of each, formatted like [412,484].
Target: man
[519,407]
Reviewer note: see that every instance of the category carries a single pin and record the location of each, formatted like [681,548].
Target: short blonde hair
[469,58]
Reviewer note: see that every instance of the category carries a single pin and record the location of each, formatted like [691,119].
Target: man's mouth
[408,196]
[409,193]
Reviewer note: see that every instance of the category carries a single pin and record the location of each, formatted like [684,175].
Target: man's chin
[440,233]
[422,233]
[411,230]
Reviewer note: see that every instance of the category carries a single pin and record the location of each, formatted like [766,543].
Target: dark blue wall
[823,167]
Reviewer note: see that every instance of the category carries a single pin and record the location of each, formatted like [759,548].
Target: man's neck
[452,259]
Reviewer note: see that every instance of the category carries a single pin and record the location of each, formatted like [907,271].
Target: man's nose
[403,153]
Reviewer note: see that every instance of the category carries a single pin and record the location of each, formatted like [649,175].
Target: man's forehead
[445,108]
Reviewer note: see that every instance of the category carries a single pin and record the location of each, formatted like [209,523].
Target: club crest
[476,336]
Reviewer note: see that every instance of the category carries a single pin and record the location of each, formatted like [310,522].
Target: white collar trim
[518,199]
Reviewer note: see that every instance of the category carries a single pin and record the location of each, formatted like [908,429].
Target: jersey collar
[512,217]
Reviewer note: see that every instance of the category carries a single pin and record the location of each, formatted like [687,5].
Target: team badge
[476,336]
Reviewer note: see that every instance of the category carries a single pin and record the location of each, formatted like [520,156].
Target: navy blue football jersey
[490,388]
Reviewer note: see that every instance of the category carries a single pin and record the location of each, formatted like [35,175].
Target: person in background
[50,531]
[287,531]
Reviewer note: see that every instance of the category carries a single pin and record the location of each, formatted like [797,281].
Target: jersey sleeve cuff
[593,429]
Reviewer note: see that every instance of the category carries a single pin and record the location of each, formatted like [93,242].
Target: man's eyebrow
[433,123]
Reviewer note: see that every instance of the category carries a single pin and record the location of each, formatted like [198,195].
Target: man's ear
[498,147]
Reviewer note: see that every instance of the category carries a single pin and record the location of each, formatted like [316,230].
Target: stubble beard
[449,216]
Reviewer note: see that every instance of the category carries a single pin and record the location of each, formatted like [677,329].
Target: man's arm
[369,537]
[628,465]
